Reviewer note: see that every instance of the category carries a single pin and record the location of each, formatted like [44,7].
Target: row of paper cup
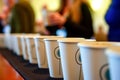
[69,58]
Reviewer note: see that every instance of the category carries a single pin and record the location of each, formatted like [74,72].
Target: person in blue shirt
[112,17]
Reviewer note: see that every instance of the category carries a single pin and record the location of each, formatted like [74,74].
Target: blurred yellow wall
[1,4]
[99,8]
[38,4]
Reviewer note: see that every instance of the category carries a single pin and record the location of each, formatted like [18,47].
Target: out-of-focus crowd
[73,16]
[72,19]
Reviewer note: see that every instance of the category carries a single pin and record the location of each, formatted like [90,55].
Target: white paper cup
[11,41]
[113,55]
[41,51]
[17,44]
[24,45]
[31,49]
[8,41]
[94,61]
[70,58]
[53,56]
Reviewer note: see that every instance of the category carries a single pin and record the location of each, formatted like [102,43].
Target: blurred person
[6,12]
[79,21]
[44,12]
[4,18]
[112,18]
[40,28]
[43,22]
[63,10]
[22,18]
[1,26]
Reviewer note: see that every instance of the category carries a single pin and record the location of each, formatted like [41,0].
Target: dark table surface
[24,68]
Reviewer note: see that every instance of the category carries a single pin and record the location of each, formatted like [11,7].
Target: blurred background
[98,7]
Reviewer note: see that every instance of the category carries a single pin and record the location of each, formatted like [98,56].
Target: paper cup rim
[90,39]
[30,36]
[53,39]
[18,36]
[42,37]
[91,44]
[71,40]
[113,51]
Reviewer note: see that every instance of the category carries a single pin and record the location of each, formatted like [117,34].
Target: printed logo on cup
[78,57]
[57,52]
[104,72]
[57,56]
[78,61]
